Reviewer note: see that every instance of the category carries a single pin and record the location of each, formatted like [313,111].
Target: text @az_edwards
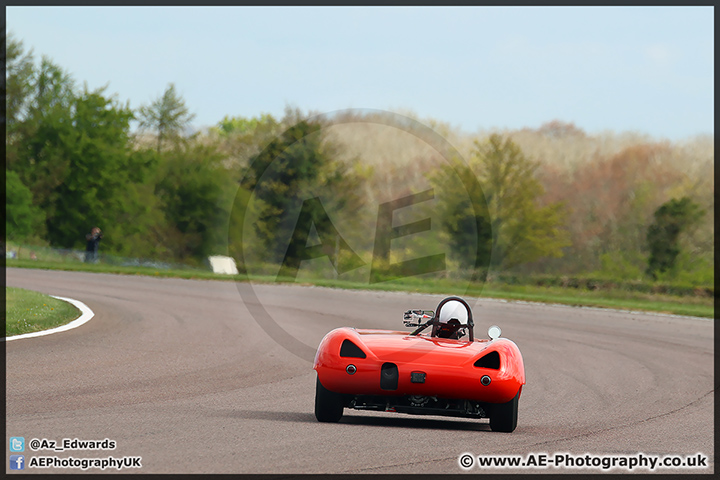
[71,444]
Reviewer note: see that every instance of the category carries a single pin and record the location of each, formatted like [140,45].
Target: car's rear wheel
[328,405]
[503,416]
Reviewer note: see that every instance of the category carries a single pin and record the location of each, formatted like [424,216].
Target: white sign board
[225,265]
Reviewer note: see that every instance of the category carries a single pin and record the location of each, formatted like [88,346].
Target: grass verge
[617,298]
[27,311]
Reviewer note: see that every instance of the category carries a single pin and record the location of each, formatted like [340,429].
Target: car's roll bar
[412,318]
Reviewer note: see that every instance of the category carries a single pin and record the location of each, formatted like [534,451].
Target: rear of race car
[394,371]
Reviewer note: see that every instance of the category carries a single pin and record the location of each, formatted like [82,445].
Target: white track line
[86,315]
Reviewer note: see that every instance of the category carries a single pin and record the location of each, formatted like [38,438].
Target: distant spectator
[91,249]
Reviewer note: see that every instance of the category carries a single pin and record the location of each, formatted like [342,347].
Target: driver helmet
[453,314]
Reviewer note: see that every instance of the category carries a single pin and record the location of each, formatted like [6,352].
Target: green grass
[615,298]
[27,311]
[115,269]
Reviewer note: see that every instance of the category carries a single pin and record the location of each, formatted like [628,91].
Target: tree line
[277,191]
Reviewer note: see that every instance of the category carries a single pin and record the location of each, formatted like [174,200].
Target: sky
[647,70]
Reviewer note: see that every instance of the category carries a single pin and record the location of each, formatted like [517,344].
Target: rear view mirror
[494,332]
[415,318]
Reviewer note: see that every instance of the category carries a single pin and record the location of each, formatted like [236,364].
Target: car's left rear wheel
[328,405]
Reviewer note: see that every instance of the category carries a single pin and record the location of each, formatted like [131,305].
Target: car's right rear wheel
[328,405]
[503,416]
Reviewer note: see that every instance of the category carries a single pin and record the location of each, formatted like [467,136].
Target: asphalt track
[179,373]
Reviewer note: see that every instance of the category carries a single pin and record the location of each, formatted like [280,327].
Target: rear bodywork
[421,374]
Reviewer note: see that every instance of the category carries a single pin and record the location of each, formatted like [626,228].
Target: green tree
[19,71]
[241,138]
[167,116]
[242,126]
[34,150]
[283,176]
[671,218]
[522,230]
[100,171]
[23,220]
[195,193]
[41,98]
[465,219]
[76,157]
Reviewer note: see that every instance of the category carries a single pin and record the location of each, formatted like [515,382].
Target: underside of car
[419,405]
[329,407]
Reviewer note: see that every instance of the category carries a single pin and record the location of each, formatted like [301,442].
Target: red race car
[446,372]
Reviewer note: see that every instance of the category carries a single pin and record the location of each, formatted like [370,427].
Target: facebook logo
[17,462]
[17,444]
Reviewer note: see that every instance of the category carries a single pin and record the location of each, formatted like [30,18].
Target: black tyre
[503,416]
[328,405]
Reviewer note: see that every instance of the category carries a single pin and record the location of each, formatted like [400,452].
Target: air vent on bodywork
[491,360]
[349,349]
[389,376]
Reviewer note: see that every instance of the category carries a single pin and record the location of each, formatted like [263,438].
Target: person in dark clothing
[91,248]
